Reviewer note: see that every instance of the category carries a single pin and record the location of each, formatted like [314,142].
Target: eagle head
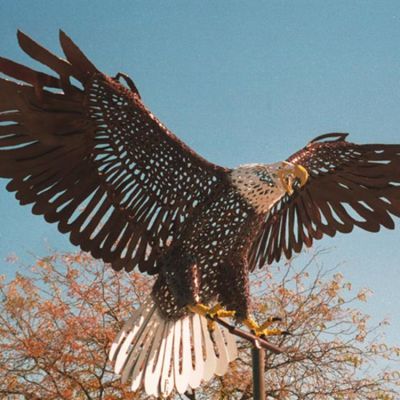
[262,185]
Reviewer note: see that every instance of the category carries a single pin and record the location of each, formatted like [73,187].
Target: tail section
[160,355]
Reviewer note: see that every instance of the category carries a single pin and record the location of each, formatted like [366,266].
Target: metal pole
[258,358]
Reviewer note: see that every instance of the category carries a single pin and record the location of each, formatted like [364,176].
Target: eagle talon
[263,330]
[199,309]
[211,313]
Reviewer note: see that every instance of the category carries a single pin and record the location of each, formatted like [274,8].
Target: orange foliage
[56,326]
[57,322]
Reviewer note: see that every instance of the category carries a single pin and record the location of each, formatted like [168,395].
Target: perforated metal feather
[97,161]
[350,185]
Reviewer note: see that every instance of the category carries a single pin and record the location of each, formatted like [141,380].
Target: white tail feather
[160,355]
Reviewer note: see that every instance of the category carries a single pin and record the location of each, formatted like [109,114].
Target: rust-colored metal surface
[350,185]
[83,149]
[95,160]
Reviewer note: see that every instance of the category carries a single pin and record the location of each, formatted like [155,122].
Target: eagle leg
[234,292]
[183,279]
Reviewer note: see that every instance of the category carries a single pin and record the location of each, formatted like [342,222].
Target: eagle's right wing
[96,160]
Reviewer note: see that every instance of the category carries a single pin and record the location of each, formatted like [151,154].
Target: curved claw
[263,329]
[199,309]
[211,313]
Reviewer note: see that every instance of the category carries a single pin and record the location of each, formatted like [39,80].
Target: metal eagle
[84,150]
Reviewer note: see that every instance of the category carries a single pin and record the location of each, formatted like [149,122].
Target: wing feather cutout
[95,160]
[349,185]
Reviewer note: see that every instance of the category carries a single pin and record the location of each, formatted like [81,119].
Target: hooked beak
[288,175]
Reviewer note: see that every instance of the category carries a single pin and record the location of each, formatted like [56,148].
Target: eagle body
[214,245]
[83,149]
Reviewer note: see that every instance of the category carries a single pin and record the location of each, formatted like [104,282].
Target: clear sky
[239,81]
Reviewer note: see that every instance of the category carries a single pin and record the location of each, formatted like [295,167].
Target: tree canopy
[58,319]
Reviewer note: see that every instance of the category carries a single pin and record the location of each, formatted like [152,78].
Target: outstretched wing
[349,185]
[96,160]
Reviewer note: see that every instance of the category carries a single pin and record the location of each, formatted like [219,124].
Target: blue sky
[239,82]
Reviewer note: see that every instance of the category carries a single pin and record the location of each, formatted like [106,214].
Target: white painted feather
[134,349]
[197,372]
[210,358]
[123,333]
[221,350]
[155,360]
[132,333]
[167,382]
[145,345]
[163,356]
[182,355]
[230,344]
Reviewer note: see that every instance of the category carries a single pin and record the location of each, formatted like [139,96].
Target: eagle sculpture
[84,150]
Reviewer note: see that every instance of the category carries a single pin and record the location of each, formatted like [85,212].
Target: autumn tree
[333,353]
[56,325]
[59,317]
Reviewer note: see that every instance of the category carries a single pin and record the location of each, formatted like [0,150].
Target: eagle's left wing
[349,185]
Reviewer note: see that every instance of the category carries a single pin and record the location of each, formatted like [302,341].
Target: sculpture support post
[259,346]
[258,358]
